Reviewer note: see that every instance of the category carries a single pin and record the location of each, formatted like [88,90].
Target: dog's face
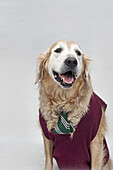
[65,63]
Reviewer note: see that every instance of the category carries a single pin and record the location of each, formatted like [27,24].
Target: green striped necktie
[63,126]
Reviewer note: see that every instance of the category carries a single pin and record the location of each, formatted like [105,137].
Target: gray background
[28,27]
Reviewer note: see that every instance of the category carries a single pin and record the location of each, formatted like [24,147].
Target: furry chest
[75,152]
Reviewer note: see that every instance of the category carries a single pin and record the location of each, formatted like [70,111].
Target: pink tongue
[67,79]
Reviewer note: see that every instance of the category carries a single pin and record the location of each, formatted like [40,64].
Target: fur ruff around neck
[75,101]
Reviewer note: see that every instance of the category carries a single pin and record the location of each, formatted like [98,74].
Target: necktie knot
[63,126]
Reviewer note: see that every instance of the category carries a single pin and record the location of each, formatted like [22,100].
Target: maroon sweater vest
[74,154]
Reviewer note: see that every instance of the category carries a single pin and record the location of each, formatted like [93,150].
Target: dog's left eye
[78,52]
[58,50]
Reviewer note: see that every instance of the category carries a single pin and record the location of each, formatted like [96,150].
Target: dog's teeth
[63,80]
[60,76]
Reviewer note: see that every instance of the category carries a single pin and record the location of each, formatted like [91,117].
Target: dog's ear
[86,61]
[42,58]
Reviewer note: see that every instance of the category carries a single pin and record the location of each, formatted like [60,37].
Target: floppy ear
[86,61]
[42,58]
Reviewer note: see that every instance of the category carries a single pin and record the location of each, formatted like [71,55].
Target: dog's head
[64,62]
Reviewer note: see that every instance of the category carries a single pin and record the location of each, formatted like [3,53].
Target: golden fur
[52,96]
[54,99]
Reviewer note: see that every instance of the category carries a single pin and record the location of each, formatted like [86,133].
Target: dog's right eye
[58,50]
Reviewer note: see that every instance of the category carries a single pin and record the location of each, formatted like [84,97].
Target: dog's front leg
[48,144]
[96,154]
[96,147]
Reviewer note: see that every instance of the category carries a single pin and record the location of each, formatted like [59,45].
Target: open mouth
[66,79]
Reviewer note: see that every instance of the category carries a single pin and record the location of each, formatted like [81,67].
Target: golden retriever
[65,84]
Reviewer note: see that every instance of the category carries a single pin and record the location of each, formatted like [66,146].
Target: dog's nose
[71,62]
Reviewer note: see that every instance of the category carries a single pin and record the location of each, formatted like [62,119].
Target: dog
[65,89]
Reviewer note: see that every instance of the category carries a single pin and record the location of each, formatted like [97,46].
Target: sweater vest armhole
[99,104]
[43,125]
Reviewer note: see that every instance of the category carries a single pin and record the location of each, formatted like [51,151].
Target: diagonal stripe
[65,123]
[63,126]
[58,130]
[63,120]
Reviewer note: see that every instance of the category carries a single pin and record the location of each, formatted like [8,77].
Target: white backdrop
[28,27]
